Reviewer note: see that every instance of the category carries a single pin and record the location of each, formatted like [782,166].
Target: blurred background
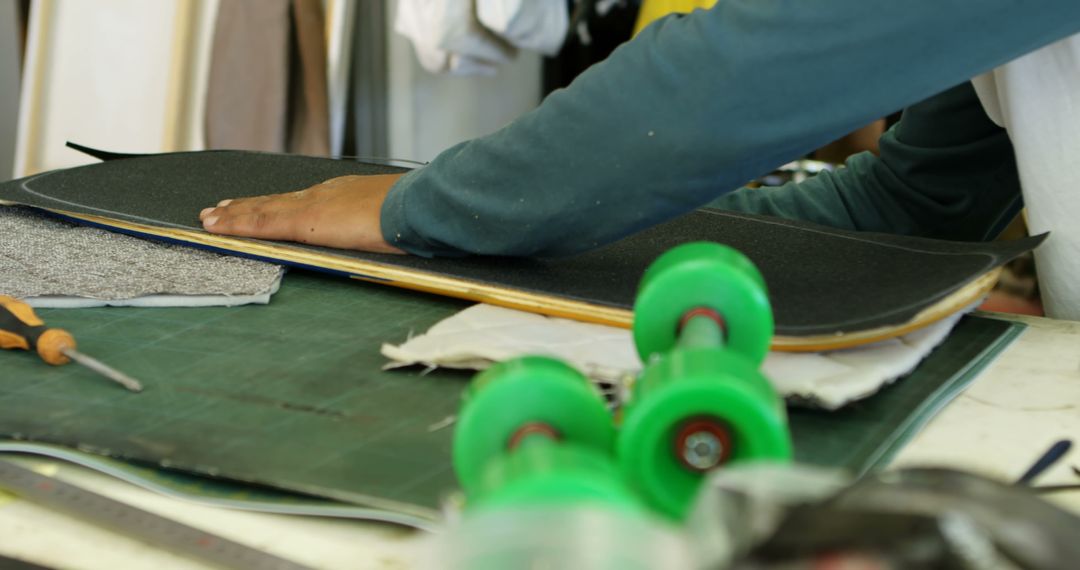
[378,78]
[320,77]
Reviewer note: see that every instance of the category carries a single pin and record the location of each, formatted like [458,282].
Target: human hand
[342,212]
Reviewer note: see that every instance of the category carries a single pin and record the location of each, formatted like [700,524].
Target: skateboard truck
[535,430]
[536,449]
[702,325]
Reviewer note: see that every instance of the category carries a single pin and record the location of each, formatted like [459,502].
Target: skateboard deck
[829,288]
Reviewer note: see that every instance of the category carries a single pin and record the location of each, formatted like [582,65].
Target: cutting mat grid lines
[292,394]
[294,387]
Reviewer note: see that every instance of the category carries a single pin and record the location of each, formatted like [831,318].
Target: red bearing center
[703,443]
[532,428]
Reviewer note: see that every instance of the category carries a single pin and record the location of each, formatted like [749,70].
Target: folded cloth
[53,263]
[536,25]
[484,334]
[448,38]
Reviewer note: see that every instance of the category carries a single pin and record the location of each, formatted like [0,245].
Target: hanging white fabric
[448,38]
[1036,98]
[474,37]
[536,25]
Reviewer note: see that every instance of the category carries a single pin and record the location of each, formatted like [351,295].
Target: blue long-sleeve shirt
[698,104]
[945,171]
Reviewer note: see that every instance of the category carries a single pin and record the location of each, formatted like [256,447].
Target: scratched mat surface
[804,265]
[291,395]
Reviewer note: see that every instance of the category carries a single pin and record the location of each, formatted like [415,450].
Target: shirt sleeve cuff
[396,229]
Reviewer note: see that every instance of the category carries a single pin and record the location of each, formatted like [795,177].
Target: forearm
[694,107]
[945,171]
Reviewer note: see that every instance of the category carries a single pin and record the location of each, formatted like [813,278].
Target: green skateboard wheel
[696,276]
[542,472]
[692,411]
[527,395]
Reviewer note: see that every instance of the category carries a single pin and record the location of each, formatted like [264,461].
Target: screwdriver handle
[21,328]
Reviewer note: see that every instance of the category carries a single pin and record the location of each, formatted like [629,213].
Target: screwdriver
[21,328]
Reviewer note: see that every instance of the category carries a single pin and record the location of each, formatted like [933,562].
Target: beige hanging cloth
[267,84]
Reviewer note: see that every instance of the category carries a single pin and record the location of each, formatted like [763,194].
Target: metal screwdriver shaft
[103,369]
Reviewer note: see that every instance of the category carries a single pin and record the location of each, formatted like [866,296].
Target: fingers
[258,224]
[259,217]
[341,212]
[235,206]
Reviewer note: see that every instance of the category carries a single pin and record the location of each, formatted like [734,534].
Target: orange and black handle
[21,328]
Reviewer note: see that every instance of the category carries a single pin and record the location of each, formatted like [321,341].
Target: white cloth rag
[484,334]
[1036,98]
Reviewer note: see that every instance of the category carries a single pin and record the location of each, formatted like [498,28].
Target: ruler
[147,527]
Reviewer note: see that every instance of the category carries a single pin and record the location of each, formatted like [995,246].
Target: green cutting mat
[287,394]
[291,395]
[867,434]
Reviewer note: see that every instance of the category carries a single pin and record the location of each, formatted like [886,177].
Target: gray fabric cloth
[42,256]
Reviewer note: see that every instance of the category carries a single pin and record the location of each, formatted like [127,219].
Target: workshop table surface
[1023,402]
